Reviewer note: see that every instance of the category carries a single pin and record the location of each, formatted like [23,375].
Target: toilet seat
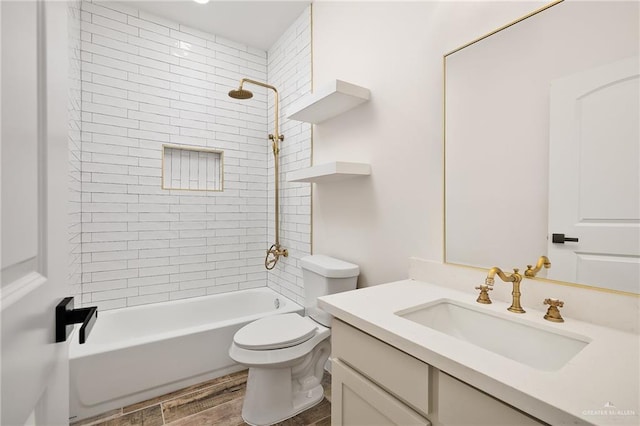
[275,332]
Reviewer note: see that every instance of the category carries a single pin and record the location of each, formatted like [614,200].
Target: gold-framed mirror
[541,138]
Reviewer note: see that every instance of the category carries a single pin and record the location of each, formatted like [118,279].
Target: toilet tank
[323,275]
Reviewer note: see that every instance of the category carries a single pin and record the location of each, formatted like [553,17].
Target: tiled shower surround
[147,82]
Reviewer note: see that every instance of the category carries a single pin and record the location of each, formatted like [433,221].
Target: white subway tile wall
[75,195]
[289,69]
[147,81]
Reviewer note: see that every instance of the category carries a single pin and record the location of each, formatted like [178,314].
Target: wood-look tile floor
[216,402]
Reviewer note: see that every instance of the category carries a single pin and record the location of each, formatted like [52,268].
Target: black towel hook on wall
[66,316]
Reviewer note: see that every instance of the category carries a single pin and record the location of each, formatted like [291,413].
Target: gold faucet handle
[484,287]
[554,302]
[553,313]
[483,297]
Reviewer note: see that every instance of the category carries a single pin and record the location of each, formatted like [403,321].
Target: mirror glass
[542,138]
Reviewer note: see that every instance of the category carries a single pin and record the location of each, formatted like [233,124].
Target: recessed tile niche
[192,168]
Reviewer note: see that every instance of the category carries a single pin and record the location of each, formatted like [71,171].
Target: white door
[594,177]
[33,188]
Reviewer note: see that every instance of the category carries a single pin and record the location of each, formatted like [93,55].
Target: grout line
[162,413]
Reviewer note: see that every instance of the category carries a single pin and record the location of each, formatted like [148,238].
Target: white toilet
[286,353]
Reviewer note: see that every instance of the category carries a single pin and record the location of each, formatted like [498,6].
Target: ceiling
[255,23]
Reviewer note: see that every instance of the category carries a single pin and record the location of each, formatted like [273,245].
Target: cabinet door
[356,401]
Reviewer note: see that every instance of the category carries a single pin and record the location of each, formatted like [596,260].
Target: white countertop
[606,371]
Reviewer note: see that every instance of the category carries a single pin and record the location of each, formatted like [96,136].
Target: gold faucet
[514,278]
[542,261]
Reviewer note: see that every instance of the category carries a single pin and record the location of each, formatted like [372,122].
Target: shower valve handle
[273,254]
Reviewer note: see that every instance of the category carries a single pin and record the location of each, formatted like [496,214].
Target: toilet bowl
[286,353]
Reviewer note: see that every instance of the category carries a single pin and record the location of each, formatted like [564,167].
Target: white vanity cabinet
[374,383]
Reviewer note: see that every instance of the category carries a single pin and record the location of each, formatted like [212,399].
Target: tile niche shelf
[329,172]
[333,99]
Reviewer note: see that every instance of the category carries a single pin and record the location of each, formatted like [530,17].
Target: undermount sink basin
[528,344]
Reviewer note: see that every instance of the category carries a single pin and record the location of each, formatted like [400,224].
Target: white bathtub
[141,352]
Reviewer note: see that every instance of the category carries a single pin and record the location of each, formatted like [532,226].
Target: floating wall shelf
[331,100]
[329,172]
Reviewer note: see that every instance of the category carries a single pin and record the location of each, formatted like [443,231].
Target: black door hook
[66,316]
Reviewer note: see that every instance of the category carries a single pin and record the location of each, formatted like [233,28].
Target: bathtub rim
[78,351]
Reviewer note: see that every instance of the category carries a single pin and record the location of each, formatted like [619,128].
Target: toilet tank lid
[329,267]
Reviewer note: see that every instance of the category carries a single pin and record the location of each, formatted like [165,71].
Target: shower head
[240,93]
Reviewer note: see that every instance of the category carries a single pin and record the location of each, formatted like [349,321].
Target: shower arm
[275,137]
[275,250]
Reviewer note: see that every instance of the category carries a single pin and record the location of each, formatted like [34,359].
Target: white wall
[289,70]
[146,82]
[396,50]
